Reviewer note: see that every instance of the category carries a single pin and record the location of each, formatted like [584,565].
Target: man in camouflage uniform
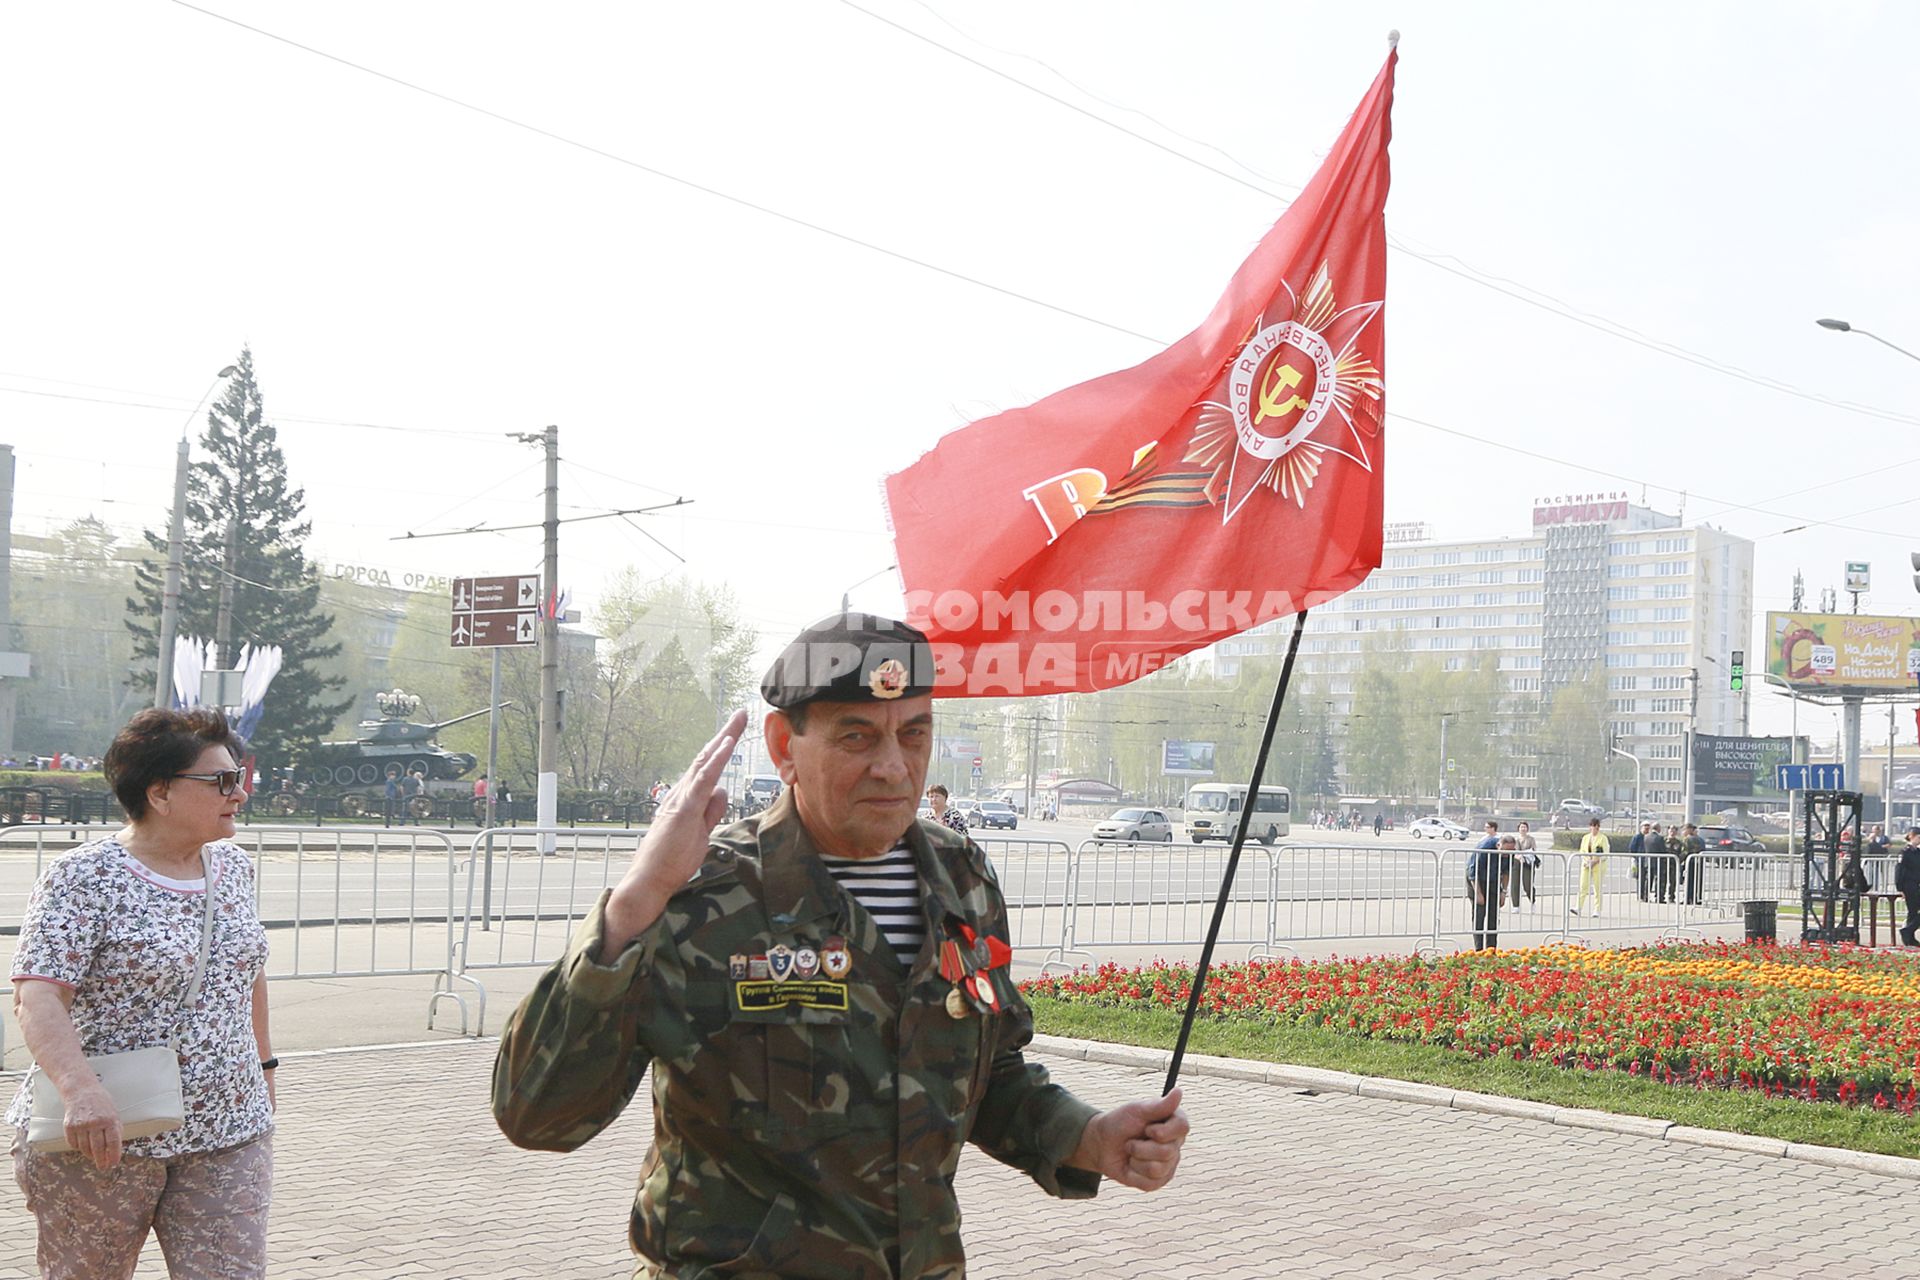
[811,1093]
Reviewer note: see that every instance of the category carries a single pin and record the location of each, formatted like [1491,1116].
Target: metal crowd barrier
[337,903]
[1124,894]
[1331,892]
[525,903]
[1036,876]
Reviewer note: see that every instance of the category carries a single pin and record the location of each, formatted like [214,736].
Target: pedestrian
[393,794]
[1879,849]
[1379,820]
[1642,872]
[415,789]
[1488,869]
[824,998]
[1526,858]
[1693,852]
[1593,865]
[948,816]
[1906,878]
[480,788]
[1660,864]
[148,937]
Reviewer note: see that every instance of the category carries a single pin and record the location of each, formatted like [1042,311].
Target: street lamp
[1841,326]
[846,597]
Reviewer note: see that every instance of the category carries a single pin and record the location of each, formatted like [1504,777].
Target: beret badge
[889,679]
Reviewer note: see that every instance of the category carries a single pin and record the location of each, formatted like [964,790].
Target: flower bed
[1821,1023]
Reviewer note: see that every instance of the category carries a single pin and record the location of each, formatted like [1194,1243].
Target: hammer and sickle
[1279,377]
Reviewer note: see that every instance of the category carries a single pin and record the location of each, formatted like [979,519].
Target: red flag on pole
[1236,477]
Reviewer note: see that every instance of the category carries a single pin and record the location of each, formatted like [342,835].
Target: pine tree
[242,475]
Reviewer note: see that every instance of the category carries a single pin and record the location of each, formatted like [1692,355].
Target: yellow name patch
[756,997]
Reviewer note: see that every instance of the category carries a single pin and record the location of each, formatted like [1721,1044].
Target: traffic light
[1913,558]
[1738,670]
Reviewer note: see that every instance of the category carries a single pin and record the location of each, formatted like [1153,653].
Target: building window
[1446,580]
[1446,557]
[1623,593]
[1623,571]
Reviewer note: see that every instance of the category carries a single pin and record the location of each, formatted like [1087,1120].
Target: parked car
[1437,829]
[1580,809]
[1731,840]
[1135,824]
[969,811]
[994,813]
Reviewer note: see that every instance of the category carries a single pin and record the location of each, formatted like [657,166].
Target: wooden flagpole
[1233,859]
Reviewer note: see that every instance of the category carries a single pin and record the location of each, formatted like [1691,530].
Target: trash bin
[1762,921]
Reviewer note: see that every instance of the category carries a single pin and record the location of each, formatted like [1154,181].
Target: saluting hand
[676,844]
[1136,1144]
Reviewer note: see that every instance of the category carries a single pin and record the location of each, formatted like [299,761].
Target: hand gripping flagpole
[1233,858]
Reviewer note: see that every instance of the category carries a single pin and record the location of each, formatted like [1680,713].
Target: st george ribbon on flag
[1234,478]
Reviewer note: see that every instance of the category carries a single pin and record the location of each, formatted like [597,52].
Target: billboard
[1843,652]
[1186,759]
[965,750]
[1906,783]
[1734,768]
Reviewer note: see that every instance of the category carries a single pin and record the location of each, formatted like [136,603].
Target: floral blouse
[125,941]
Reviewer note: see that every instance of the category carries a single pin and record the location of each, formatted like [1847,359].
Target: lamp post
[1638,808]
[846,597]
[1841,326]
[176,553]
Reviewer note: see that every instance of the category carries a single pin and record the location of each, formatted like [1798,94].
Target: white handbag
[143,1083]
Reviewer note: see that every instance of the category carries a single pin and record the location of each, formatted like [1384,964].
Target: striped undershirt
[889,888]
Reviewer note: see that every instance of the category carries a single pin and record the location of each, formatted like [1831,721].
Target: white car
[1437,828]
[1136,824]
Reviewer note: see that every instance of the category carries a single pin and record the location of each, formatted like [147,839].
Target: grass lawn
[1291,1037]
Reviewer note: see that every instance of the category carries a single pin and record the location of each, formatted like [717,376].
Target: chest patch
[759,997]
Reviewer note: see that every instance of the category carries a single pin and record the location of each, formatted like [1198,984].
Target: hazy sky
[1710,178]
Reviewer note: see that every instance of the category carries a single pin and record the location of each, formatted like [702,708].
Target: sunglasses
[228,780]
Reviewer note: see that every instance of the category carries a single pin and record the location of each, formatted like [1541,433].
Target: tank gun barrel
[462,719]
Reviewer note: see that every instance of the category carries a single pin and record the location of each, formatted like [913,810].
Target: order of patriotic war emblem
[1303,391]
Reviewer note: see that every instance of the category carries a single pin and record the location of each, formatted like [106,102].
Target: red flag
[1235,477]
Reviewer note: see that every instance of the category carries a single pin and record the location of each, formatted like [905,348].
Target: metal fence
[364,901]
[338,903]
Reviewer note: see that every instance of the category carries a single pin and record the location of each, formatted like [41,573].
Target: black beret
[850,657]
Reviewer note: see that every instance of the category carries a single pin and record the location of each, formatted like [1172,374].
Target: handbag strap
[206,945]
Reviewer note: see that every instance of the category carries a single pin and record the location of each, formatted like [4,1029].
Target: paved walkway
[389,1166]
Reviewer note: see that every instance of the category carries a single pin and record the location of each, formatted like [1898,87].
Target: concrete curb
[1320,1080]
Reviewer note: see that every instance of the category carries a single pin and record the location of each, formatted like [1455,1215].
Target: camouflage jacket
[805,1127]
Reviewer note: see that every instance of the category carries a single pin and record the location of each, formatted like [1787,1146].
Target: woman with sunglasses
[108,948]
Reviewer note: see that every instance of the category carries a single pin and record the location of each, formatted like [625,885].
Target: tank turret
[393,744]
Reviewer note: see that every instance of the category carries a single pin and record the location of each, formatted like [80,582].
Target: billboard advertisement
[965,750]
[1186,759]
[1731,768]
[1906,783]
[1843,652]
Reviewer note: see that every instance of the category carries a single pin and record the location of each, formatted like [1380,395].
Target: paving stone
[1274,1183]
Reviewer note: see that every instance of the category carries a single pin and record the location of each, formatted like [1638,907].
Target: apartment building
[1599,589]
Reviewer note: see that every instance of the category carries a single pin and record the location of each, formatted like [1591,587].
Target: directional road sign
[495,612]
[1810,777]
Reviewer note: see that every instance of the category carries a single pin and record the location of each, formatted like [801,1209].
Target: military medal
[835,961]
[736,967]
[956,1003]
[806,962]
[757,968]
[780,962]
